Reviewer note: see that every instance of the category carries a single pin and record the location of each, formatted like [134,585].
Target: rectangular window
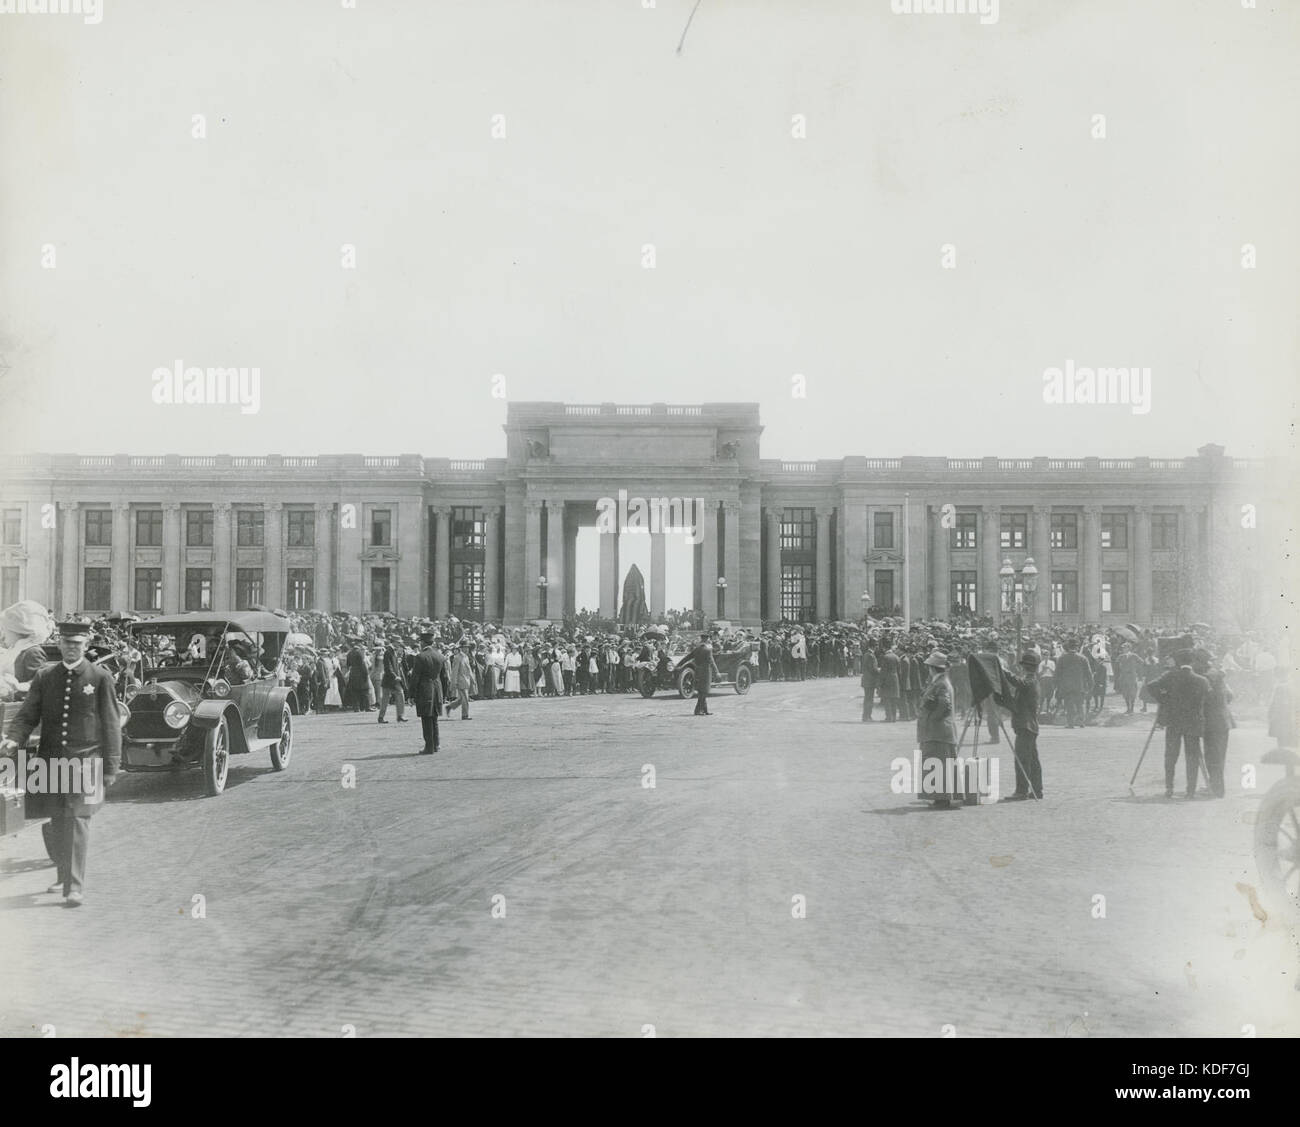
[11,525]
[250,526]
[1065,530]
[798,594]
[884,590]
[198,531]
[380,589]
[467,589]
[963,589]
[1164,530]
[198,588]
[1114,592]
[468,527]
[8,586]
[148,587]
[381,528]
[148,528]
[1065,592]
[1014,530]
[1164,592]
[248,587]
[302,588]
[798,530]
[963,532]
[98,588]
[99,529]
[1114,530]
[301,528]
[883,531]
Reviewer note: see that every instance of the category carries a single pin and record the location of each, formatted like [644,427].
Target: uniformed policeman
[74,703]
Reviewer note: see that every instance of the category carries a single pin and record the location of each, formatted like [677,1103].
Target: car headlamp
[220,687]
[176,714]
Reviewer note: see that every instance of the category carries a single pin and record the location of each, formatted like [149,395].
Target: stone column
[823,568]
[491,574]
[709,562]
[608,547]
[223,568]
[273,555]
[1040,544]
[322,560]
[731,560]
[991,563]
[772,531]
[121,575]
[1193,571]
[941,580]
[1090,559]
[69,595]
[1142,609]
[171,576]
[532,557]
[555,562]
[442,561]
[658,572]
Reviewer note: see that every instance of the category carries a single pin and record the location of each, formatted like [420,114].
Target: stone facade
[1143,540]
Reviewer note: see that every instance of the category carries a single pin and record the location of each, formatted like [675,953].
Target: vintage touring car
[736,665]
[208,686]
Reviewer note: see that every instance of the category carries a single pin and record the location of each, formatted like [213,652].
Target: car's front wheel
[743,678]
[216,758]
[686,684]
[281,750]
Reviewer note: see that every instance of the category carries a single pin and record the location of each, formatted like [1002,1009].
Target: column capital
[222,507]
[1091,510]
[440,510]
[273,506]
[991,510]
[69,506]
[491,511]
[1142,510]
[731,507]
[532,506]
[171,506]
[121,506]
[825,512]
[1196,508]
[323,512]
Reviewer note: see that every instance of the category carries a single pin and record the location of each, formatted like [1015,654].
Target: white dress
[513,662]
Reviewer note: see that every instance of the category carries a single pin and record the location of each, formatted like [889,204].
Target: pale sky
[522,256]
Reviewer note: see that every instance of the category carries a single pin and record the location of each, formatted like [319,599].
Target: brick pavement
[625,907]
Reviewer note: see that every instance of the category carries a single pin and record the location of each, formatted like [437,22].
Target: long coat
[1182,695]
[1073,674]
[935,722]
[889,677]
[431,687]
[870,671]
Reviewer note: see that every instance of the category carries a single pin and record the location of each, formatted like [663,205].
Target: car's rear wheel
[1277,846]
[743,678]
[645,682]
[216,758]
[281,750]
[686,684]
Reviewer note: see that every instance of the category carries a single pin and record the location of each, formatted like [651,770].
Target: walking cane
[1142,757]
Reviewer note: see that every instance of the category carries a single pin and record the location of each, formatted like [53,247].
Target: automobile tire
[743,678]
[645,683]
[686,684]
[216,758]
[1277,846]
[282,748]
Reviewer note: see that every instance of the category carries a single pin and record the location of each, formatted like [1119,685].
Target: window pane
[99,528]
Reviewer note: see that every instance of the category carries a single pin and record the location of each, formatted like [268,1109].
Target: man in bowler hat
[431,689]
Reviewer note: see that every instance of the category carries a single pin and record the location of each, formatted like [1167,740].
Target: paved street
[624,906]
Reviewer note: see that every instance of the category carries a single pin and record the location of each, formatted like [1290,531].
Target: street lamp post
[722,596]
[866,606]
[541,596]
[1025,600]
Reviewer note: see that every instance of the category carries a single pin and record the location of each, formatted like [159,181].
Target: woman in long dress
[513,663]
[556,671]
[936,734]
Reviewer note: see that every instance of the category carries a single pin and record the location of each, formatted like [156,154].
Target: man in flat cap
[75,705]
[1024,724]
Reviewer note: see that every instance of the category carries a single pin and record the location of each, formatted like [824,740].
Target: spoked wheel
[216,758]
[645,682]
[1277,844]
[281,750]
[743,678]
[686,684]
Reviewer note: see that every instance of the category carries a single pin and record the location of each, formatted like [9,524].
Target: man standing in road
[81,735]
[1024,723]
[870,673]
[701,661]
[1181,694]
[392,682]
[431,689]
[1073,683]
[462,678]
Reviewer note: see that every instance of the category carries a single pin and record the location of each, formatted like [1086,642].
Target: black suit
[705,670]
[1182,695]
[431,688]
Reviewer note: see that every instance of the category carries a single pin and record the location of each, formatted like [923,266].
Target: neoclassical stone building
[1114,540]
